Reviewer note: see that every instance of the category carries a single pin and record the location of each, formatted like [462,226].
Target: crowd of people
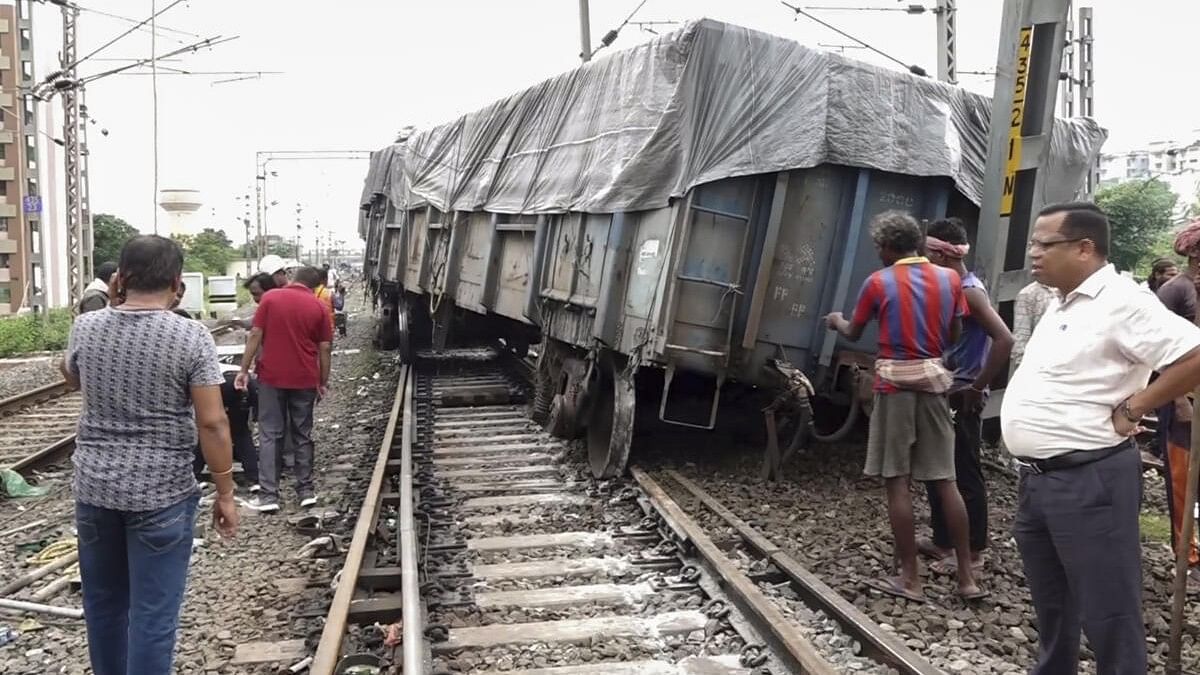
[158,408]
[1092,353]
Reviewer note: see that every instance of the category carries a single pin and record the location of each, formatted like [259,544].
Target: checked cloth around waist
[924,375]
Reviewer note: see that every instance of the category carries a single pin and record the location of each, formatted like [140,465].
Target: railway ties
[531,569]
[512,559]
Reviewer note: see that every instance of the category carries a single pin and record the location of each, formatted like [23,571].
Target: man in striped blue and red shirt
[920,307]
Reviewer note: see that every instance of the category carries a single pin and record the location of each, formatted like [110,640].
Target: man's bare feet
[895,586]
[927,548]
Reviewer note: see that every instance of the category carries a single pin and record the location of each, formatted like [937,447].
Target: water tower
[181,207]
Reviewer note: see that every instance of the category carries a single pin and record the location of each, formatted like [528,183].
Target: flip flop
[894,588]
[948,566]
[977,595]
[927,548]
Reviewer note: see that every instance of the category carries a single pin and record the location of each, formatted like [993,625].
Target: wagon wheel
[386,336]
[404,345]
[610,428]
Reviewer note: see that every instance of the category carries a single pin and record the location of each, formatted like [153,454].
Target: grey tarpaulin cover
[712,100]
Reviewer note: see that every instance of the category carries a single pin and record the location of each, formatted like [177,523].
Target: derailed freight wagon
[682,213]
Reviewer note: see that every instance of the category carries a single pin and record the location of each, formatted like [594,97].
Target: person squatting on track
[920,307]
[1178,294]
[1069,416]
[150,383]
[294,332]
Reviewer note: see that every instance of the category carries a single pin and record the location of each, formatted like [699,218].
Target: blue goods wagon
[683,214]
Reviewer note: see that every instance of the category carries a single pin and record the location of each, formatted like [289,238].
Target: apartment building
[20,204]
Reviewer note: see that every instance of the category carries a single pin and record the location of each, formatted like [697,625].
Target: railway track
[37,427]
[483,546]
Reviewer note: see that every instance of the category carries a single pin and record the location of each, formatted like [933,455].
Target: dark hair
[1162,265]
[182,287]
[949,230]
[896,231]
[325,277]
[265,281]
[150,263]
[105,271]
[1083,220]
[309,276]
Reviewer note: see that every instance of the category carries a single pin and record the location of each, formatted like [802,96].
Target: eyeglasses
[1044,245]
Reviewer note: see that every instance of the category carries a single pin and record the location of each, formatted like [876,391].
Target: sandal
[893,587]
[948,566]
[927,548]
[977,595]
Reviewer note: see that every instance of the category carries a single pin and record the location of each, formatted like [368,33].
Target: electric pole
[68,84]
[1086,90]
[1068,70]
[585,32]
[947,28]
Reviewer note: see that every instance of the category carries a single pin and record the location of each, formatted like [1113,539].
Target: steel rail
[33,397]
[412,613]
[797,653]
[325,661]
[877,644]
[66,444]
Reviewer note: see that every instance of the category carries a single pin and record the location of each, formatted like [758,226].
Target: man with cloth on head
[977,358]
[1069,416]
[1178,294]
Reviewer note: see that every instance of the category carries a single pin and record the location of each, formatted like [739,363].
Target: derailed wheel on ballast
[404,337]
[386,337]
[610,422]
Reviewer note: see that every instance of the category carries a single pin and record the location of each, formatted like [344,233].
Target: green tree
[1139,213]
[209,252]
[109,234]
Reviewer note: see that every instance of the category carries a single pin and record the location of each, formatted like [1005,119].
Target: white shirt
[333,278]
[1090,351]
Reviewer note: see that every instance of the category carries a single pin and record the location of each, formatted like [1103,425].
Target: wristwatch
[1128,413]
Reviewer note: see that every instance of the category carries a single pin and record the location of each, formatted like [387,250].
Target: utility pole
[76,255]
[1087,106]
[947,28]
[299,229]
[1068,70]
[585,32]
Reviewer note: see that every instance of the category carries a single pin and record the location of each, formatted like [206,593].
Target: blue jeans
[134,566]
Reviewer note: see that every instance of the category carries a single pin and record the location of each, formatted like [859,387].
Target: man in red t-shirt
[292,328]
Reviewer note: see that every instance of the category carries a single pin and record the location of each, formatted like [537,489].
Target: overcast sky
[356,71]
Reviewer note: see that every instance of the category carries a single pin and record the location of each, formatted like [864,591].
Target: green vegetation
[209,252]
[1139,213]
[109,234]
[35,332]
[1156,527]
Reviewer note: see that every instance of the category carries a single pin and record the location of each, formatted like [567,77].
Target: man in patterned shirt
[151,385]
[1032,302]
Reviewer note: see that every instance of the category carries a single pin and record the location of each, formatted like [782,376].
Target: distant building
[1174,163]
[21,242]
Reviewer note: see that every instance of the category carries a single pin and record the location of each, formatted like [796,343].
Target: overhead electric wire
[611,35]
[129,20]
[207,42]
[113,41]
[914,69]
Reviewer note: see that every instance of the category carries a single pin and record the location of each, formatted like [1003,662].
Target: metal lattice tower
[76,243]
[1067,104]
[947,29]
[1087,103]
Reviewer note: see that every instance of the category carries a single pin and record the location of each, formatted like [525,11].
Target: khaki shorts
[911,434]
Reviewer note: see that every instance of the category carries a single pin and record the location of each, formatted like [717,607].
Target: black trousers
[1077,530]
[968,438]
